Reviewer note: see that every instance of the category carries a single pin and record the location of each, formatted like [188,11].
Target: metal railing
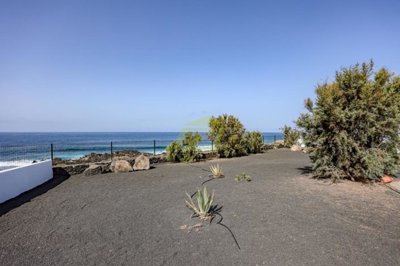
[18,155]
[12,156]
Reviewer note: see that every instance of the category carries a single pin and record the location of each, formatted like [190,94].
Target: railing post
[154,146]
[111,151]
[263,139]
[274,138]
[51,152]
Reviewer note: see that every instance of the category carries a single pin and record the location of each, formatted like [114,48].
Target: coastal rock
[60,172]
[75,169]
[105,167]
[141,163]
[295,148]
[93,170]
[121,166]
[268,147]
[278,145]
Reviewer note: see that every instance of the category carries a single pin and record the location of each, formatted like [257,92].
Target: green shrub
[353,130]
[227,132]
[186,150]
[174,152]
[243,176]
[254,142]
[191,152]
[290,136]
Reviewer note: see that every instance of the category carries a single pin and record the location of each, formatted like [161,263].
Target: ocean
[18,149]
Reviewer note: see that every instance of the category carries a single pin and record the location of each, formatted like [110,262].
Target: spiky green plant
[203,203]
[216,171]
[244,177]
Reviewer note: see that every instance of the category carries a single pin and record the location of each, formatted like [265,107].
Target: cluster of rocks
[276,145]
[279,144]
[117,165]
[99,157]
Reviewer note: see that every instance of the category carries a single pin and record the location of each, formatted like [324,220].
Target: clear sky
[158,65]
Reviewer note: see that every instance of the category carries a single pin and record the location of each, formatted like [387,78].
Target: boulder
[295,148]
[121,166]
[105,167]
[93,170]
[141,163]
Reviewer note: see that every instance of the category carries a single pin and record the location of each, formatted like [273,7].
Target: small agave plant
[202,208]
[216,171]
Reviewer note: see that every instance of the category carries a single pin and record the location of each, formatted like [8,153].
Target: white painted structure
[16,181]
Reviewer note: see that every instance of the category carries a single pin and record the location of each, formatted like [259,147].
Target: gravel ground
[282,217]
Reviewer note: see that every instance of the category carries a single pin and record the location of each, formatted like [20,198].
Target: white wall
[18,180]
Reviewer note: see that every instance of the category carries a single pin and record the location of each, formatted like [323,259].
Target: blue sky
[158,65]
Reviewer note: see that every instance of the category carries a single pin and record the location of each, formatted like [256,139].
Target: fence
[19,155]
[12,156]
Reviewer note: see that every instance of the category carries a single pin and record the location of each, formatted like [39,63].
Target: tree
[353,129]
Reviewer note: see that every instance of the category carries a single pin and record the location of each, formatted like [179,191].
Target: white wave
[205,147]
[4,165]
[158,152]
[15,163]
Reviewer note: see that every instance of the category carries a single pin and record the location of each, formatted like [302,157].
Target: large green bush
[290,136]
[228,135]
[186,150]
[353,128]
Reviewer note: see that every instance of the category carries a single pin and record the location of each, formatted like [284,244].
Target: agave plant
[203,206]
[216,171]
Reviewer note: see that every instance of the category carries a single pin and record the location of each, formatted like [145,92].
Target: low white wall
[18,180]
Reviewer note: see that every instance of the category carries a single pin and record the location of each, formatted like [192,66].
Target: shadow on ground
[59,177]
[306,170]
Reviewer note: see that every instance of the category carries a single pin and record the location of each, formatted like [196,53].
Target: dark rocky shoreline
[71,167]
[78,166]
